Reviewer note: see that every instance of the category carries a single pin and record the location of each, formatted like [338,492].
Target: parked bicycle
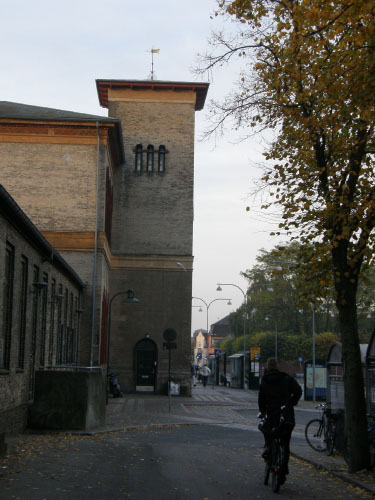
[320,433]
[275,458]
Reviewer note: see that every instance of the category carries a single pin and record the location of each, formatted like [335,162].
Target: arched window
[150,158]
[138,158]
[161,159]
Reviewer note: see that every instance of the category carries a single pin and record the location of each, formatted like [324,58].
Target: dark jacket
[277,389]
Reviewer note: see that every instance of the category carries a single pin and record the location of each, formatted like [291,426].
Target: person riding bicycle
[277,390]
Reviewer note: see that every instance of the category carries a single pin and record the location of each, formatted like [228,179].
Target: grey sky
[52,52]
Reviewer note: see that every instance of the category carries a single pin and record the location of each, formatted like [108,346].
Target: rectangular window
[23,312]
[34,325]
[60,329]
[52,322]
[43,322]
[6,338]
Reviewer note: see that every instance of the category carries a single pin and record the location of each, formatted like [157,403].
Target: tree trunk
[355,402]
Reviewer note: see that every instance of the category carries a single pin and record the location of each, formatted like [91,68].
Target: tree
[309,77]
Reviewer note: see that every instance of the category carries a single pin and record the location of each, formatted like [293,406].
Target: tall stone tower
[152,228]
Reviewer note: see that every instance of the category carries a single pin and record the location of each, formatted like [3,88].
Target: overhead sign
[254,353]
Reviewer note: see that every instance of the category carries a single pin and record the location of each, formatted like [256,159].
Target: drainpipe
[95,250]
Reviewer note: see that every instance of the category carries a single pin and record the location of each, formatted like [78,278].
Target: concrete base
[68,399]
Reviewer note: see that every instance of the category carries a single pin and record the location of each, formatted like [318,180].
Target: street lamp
[229,303]
[130,298]
[267,318]
[219,289]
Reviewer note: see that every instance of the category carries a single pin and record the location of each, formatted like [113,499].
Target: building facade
[114,196]
[40,315]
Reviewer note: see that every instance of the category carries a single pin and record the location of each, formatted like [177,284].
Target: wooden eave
[200,89]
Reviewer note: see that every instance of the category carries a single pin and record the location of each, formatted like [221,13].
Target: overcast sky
[52,52]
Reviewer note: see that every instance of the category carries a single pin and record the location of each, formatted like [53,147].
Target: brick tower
[152,228]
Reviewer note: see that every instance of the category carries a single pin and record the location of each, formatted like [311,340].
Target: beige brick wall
[55,184]
[153,213]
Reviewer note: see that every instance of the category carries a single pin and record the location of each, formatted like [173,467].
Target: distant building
[218,331]
[200,346]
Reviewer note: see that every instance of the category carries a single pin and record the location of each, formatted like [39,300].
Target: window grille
[7,307]
[23,312]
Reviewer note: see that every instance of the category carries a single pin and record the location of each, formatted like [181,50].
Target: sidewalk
[227,407]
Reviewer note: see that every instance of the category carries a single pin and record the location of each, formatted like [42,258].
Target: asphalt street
[204,447]
[178,462]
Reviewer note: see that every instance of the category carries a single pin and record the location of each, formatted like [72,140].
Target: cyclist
[278,389]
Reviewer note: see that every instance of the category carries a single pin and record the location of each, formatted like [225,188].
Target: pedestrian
[278,389]
[193,375]
[205,372]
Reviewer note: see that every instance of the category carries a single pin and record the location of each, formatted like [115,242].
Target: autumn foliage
[309,77]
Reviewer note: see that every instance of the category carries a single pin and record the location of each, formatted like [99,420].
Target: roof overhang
[156,85]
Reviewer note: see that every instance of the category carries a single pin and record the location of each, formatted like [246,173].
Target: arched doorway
[145,365]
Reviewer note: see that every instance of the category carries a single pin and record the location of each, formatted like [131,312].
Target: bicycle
[320,432]
[275,458]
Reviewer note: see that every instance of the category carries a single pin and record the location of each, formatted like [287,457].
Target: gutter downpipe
[93,303]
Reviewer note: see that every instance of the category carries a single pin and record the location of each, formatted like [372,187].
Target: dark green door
[145,352]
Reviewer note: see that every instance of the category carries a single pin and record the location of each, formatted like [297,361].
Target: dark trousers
[285,435]
[204,380]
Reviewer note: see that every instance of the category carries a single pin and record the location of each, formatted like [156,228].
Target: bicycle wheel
[330,438]
[267,470]
[276,466]
[314,434]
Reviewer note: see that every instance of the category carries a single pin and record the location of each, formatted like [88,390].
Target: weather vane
[153,51]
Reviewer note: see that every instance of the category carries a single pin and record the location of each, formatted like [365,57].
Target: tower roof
[199,88]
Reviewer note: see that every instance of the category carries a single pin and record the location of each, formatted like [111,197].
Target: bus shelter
[370,375]
[335,375]
[236,370]
[320,380]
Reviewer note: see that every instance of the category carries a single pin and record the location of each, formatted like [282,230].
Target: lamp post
[207,308]
[219,289]
[130,298]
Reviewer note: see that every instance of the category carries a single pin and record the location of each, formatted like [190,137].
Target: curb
[343,477]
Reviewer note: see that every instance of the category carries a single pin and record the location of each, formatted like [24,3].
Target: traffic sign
[217,352]
[254,353]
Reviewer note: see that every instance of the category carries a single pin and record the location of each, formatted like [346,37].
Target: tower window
[150,158]
[161,159]
[138,158]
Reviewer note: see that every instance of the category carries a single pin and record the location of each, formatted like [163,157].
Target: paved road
[180,462]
